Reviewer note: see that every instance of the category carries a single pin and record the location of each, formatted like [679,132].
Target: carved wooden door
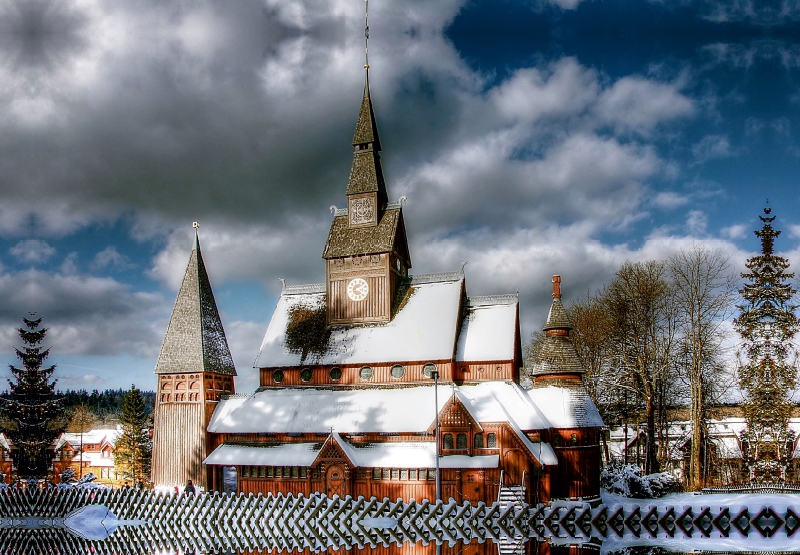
[335,481]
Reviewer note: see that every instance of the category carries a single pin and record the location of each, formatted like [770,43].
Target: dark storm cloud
[40,35]
[87,315]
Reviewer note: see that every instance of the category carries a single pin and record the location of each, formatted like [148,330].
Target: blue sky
[531,139]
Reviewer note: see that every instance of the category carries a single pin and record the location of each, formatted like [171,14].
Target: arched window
[448,441]
[478,441]
[491,441]
[461,441]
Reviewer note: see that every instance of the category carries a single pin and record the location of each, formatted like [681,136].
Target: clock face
[357,289]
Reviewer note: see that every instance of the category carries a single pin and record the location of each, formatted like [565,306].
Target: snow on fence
[216,522]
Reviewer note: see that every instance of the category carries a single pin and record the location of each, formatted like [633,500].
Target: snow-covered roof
[374,455]
[380,410]
[287,454]
[92,436]
[424,329]
[488,331]
[317,410]
[501,402]
[566,405]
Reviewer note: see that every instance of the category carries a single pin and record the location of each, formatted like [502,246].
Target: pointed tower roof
[557,355]
[195,340]
[366,174]
[366,128]
[557,318]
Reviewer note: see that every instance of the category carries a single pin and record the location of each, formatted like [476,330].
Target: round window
[366,373]
[398,371]
[336,373]
[306,374]
[277,376]
[429,369]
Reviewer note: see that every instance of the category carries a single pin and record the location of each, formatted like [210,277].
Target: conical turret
[557,357]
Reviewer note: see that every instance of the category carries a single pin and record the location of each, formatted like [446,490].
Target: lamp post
[435,376]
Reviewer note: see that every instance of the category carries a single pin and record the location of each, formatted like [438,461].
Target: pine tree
[133,450]
[32,414]
[767,371]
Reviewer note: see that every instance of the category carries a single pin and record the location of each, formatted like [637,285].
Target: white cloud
[638,104]
[669,200]
[697,222]
[86,315]
[711,147]
[32,251]
[736,231]
[110,258]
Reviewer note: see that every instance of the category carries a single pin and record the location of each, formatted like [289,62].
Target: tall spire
[366,175]
[366,129]
[195,340]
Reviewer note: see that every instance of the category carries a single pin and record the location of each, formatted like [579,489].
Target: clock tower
[366,254]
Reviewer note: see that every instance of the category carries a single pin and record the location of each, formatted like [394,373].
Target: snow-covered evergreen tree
[767,360]
[32,414]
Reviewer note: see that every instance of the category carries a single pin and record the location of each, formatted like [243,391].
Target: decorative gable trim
[455,415]
[332,451]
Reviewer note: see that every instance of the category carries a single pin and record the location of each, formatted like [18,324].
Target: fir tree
[134,448]
[32,414]
[767,370]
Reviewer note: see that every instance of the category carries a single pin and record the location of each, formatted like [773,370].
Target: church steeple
[195,338]
[367,251]
[195,369]
[366,189]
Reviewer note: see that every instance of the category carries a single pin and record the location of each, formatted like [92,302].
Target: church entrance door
[335,481]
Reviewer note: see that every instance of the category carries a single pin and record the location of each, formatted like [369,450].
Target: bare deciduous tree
[641,317]
[704,290]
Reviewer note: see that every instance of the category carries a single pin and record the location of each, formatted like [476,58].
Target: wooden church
[358,374]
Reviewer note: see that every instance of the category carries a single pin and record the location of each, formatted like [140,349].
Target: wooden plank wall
[179,444]
[381,374]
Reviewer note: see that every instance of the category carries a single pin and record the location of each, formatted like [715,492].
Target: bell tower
[366,252]
[194,369]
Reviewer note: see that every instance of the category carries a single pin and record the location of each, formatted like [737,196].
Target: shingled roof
[366,175]
[346,241]
[557,354]
[195,340]
[366,128]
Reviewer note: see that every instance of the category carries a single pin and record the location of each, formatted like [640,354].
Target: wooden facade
[388,373]
[185,403]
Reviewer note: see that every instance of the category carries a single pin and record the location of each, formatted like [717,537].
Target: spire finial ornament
[556,287]
[366,36]
[196,226]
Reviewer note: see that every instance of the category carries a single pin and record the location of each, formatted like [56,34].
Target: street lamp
[432,372]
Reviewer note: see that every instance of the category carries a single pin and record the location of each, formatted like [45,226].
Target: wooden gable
[332,452]
[455,415]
